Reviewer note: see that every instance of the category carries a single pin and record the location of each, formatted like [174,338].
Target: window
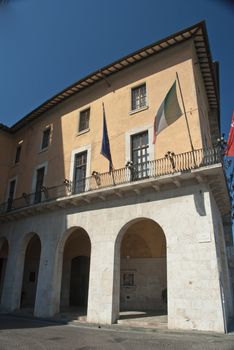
[17,154]
[39,184]
[11,194]
[128,279]
[80,172]
[84,119]
[139,97]
[46,138]
[140,155]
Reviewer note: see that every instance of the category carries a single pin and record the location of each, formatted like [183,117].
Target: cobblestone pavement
[27,334]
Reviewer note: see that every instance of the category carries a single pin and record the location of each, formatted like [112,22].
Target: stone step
[143,323]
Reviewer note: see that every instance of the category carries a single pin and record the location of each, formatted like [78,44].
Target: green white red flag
[230,144]
[168,112]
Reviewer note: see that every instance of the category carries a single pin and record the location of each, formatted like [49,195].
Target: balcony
[199,165]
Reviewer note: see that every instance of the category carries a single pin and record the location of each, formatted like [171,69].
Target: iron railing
[171,164]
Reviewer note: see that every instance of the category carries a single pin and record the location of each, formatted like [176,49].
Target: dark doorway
[79,282]
[31,270]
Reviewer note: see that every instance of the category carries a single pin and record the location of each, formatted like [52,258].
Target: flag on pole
[105,150]
[168,112]
[230,144]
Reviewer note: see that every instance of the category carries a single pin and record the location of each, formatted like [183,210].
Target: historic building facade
[148,235]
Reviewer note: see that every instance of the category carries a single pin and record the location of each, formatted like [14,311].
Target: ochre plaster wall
[158,72]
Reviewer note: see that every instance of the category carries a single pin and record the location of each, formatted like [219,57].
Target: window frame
[143,107]
[125,274]
[9,199]
[81,131]
[38,193]
[140,169]
[46,130]
[139,130]
[79,188]
[72,162]
[34,178]
[18,154]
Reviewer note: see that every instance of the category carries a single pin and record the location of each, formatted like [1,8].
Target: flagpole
[186,118]
[106,151]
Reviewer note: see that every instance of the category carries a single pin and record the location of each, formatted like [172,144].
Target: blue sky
[47,45]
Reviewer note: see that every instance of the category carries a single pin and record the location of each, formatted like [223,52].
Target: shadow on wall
[199,203]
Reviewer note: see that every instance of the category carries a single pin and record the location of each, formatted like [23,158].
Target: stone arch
[140,269]
[75,247]
[4,252]
[30,249]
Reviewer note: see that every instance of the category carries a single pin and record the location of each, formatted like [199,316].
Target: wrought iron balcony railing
[171,164]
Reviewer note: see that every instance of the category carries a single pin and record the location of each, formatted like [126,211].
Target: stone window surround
[131,132]
[132,111]
[79,132]
[50,127]
[34,180]
[8,186]
[80,150]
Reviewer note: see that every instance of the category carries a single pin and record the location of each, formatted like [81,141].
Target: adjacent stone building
[148,235]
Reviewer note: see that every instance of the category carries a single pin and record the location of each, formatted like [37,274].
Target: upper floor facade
[57,146]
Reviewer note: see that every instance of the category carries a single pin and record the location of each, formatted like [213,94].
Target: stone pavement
[30,334]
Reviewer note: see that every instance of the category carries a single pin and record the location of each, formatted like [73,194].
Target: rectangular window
[139,97]
[11,195]
[39,184]
[17,154]
[46,138]
[128,279]
[140,155]
[80,172]
[84,119]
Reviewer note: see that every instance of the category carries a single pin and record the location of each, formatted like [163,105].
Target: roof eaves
[5,128]
[119,65]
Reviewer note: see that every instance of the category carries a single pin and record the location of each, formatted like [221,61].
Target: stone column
[49,281]
[11,293]
[101,282]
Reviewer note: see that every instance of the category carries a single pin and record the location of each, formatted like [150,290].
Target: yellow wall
[158,72]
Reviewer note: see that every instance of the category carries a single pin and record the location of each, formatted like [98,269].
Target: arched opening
[143,269]
[4,251]
[75,275]
[30,275]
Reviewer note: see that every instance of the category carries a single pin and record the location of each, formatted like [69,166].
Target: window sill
[82,132]
[138,110]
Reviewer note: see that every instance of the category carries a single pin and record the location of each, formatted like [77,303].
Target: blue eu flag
[105,150]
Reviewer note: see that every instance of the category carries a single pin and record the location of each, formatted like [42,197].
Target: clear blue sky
[47,45]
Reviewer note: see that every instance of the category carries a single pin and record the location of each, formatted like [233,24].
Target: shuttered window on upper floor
[84,120]
[138,96]
[46,138]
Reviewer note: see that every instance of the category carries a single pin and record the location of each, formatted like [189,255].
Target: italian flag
[168,112]
[230,144]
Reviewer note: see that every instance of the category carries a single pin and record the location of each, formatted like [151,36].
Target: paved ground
[25,334]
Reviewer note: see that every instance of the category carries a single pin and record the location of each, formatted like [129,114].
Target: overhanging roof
[197,32]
